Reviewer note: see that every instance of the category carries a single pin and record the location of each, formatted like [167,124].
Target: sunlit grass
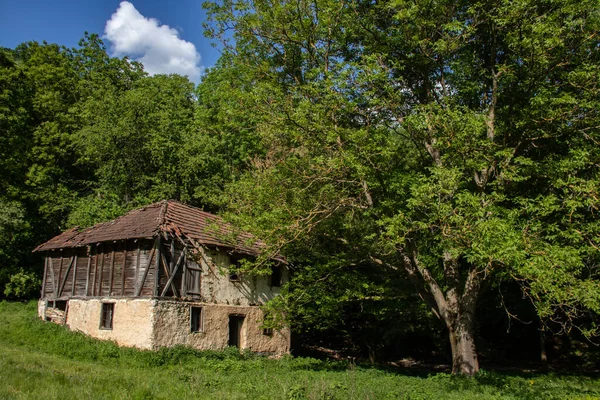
[42,360]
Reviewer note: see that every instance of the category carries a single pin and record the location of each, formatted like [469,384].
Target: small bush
[22,286]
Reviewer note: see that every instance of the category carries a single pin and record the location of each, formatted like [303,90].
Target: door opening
[235,330]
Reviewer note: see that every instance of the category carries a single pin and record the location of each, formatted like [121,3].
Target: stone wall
[172,327]
[151,324]
[132,320]
[251,290]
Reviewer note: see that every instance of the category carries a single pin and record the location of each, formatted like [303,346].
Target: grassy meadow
[41,360]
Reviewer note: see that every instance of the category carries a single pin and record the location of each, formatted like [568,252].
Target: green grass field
[41,360]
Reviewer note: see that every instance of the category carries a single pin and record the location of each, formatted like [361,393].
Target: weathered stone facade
[159,277]
[151,324]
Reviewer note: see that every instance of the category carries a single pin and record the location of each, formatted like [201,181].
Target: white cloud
[156,46]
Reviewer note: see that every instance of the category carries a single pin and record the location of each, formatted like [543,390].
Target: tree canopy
[397,153]
[456,141]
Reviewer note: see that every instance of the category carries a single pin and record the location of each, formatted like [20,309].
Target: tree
[43,88]
[455,141]
[134,140]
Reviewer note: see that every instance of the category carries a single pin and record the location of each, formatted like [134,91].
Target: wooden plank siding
[113,269]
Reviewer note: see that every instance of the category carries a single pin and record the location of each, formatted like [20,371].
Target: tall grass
[43,360]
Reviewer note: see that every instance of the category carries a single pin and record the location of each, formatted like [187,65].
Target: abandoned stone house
[161,276]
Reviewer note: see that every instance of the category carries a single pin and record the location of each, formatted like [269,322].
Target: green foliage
[22,285]
[455,142]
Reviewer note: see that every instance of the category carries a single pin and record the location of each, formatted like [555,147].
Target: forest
[430,170]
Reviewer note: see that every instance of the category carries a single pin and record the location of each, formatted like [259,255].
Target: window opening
[196,319]
[267,331]
[106,316]
[276,276]
[59,305]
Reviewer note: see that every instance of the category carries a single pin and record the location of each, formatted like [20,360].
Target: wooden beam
[60,272]
[137,270]
[53,277]
[89,267]
[45,276]
[111,275]
[64,280]
[123,268]
[184,275]
[95,271]
[139,290]
[157,265]
[103,256]
[170,281]
[172,263]
[74,275]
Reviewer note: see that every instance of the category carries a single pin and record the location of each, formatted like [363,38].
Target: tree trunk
[454,306]
[462,342]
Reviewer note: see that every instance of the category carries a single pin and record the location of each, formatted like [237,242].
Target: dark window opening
[59,305]
[196,319]
[267,331]
[276,276]
[106,316]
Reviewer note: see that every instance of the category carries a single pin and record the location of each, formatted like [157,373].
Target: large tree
[456,141]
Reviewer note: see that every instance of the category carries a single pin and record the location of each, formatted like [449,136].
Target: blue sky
[167,37]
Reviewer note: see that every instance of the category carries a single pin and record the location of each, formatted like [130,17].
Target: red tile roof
[166,216]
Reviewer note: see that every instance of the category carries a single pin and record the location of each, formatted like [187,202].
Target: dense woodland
[430,170]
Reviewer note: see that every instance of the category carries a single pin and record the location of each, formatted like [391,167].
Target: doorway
[235,330]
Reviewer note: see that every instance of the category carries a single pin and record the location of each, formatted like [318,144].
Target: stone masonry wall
[172,327]
[132,320]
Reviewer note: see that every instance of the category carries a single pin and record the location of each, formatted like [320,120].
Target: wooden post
[157,265]
[172,263]
[124,268]
[51,264]
[136,284]
[60,271]
[74,281]
[101,271]
[111,275]
[43,294]
[89,267]
[95,271]
[184,276]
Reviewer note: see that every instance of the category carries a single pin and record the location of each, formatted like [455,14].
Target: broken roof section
[168,216]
